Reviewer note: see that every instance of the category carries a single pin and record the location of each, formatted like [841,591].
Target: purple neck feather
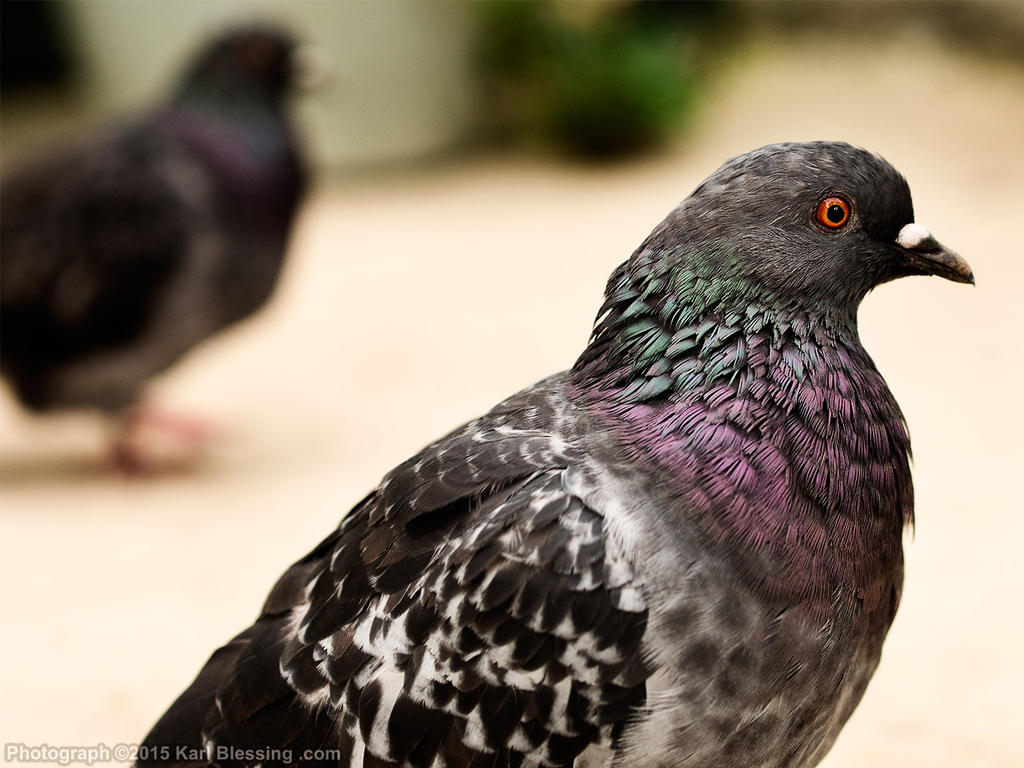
[773,429]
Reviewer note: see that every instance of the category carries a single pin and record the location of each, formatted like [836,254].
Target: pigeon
[123,251]
[684,551]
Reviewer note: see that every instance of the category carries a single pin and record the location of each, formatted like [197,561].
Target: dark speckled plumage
[122,252]
[685,551]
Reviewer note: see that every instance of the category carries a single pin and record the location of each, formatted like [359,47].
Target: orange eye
[833,212]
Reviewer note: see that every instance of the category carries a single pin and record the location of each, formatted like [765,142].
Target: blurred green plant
[598,80]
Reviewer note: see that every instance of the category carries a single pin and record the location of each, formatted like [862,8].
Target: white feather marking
[361,636]
[474,736]
[588,643]
[391,682]
[559,705]
[421,690]
[520,743]
[327,644]
[631,599]
[587,582]
[619,573]
[583,668]
[595,756]
[454,605]
[357,753]
[565,628]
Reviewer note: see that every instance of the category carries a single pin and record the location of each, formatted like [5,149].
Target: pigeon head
[818,223]
[788,239]
[249,61]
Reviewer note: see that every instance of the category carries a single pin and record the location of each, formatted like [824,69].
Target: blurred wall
[403,78]
[979,27]
[408,83]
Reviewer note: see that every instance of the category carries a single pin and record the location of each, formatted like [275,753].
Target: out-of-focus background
[481,168]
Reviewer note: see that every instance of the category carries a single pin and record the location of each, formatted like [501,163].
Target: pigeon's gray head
[819,221]
[253,60]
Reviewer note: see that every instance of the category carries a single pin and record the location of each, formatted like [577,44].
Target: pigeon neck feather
[255,161]
[768,421]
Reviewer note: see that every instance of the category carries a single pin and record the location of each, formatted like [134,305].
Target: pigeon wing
[466,613]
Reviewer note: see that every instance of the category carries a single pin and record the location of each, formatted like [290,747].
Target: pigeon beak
[930,256]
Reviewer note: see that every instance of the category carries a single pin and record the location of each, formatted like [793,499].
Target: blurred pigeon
[123,252]
[684,551]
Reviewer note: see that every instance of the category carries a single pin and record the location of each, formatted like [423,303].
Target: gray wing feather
[463,614]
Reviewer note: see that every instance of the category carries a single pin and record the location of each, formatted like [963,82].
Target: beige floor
[414,302]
